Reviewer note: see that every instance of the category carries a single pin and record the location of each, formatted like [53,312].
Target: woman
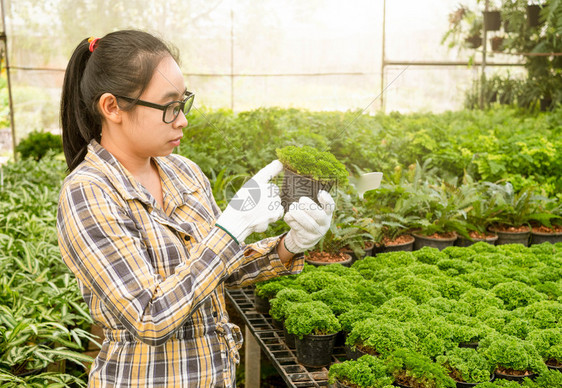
[139,227]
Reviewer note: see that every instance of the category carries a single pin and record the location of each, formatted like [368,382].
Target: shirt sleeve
[104,249]
[261,262]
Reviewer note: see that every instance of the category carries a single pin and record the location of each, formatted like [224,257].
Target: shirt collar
[125,183]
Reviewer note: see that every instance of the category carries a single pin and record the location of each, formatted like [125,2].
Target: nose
[180,121]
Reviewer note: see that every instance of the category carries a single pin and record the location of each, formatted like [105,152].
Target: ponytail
[78,124]
[122,63]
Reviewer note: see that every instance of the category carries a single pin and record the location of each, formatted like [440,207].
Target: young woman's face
[146,131]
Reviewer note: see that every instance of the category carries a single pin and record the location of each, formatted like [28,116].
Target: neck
[138,166]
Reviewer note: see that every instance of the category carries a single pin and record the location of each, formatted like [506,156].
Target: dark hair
[122,63]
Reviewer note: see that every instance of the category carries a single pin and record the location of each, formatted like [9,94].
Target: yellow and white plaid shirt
[154,278]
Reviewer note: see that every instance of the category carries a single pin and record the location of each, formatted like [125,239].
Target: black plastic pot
[499,375]
[262,304]
[407,246]
[539,238]
[346,263]
[290,339]
[295,186]
[533,15]
[353,354]
[339,384]
[315,351]
[462,384]
[474,41]
[439,243]
[464,242]
[552,367]
[492,20]
[472,345]
[513,237]
[277,324]
[368,251]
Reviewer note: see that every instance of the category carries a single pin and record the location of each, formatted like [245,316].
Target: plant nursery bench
[261,334]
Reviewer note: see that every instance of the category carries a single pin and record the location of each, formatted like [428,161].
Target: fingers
[268,172]
[326,201]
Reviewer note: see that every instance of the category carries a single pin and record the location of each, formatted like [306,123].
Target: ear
[109,108]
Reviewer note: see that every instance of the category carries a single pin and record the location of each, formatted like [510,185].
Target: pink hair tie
[93,43]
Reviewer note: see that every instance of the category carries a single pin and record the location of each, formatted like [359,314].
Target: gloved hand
[254,206]
[309,222]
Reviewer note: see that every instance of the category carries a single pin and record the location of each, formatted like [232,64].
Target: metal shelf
[272,341]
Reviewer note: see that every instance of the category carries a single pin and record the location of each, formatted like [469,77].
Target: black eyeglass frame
[190,97]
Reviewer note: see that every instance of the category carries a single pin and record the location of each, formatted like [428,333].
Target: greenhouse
[269,194]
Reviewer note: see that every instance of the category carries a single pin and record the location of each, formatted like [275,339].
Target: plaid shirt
[154,278]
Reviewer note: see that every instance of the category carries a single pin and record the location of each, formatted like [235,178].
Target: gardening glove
[308,221]
[254,206]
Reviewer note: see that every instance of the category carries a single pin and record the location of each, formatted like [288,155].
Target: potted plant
[548,343]
[516,210]
[497,43]
[379,337]
[440,216]
[492,20]
[330,249]
[466,366]
[365,372]
[546,223]
[308,170]
[411,369]
[264,291]
[465,28]
[281,304]
[481,212]
[392,209]
[511,357]
[533,15]
[315,327]
[349,212]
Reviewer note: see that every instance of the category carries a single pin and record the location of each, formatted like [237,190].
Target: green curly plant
[365,372]
[511,353]
[309,161]
[411,368]
[284,299]
[380,336]
[548,343]
[308,318]
[466,364]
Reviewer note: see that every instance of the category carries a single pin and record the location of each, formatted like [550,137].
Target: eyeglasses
[171,110]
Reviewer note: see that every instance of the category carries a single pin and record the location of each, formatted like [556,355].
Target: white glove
[309,222]
[254,206]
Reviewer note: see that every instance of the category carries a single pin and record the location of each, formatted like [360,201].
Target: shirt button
[187,238]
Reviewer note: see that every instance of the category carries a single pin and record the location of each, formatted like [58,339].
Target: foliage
[344,232]
[471,366]
[509,352]
[380,336]
[43,318]
[284,299]
[269,288]
[314,318]
[365,372]
[309,161]
[339,297]
[548,343]
[37,144]
[542,84]
[516,294]
[515,208]
[418,368]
